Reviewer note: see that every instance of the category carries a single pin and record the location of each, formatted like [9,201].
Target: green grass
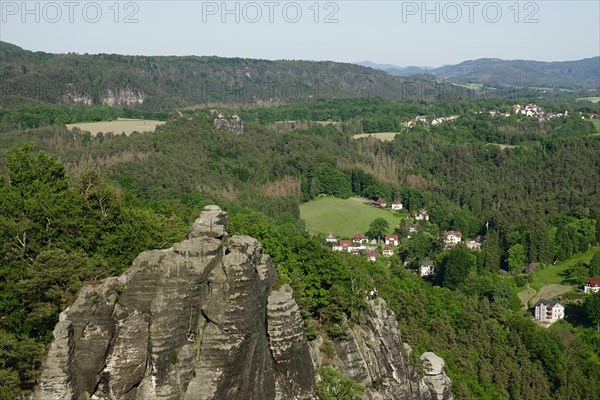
[554,280]
[596,123]
[595,99]
[559,274]
[343,217]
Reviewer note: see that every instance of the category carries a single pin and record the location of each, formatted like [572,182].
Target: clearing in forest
[385,136]
[121,125]
[342,217]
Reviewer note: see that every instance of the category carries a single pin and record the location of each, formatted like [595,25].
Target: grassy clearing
[595,99]
[121,125]
[596,123]
[554,280]
[504,146]
[525,295]
[559,274]
[549,292]
[343,217]
[385,136]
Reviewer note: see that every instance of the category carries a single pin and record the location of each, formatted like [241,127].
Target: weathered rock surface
[201,321]
[198,321]
[375,356]
[435,378]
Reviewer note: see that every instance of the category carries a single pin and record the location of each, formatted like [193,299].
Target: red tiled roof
[346,243]
[455,233]
[593,282]
[388,237]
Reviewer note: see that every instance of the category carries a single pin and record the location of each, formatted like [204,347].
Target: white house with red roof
[549,310]
[344,245]
[372,255]
[331,238]
[388,251]
[391,240]
[592,285]
[360,239]
[452,238]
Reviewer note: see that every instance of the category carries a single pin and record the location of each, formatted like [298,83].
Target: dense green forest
[76,208]
[156,83]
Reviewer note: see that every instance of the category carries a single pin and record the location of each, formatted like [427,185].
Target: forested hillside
[158,83]
[83,208]
[561,74]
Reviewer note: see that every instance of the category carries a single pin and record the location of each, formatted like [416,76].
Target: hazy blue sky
[395,32]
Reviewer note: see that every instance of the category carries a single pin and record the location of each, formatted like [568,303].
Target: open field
[554,280]
[549,292]
[504,146]
[558,274]
[385,136]
[121,125]
[343,217]
[595,99]
[525,295]
[596,122]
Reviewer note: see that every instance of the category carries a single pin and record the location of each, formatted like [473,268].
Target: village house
[331,239]
[360,239]
[388,251]
[381,203]
[549,310]
[426,268]
[441,120]
[372,255]
[413,122]
[592,285]
[452,238]
[344,245]
[391,240]
[397,205]
[475,244]
[422,216]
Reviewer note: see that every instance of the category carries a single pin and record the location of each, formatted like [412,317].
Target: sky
[423,33]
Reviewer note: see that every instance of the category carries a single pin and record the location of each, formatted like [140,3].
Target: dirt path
[526,295]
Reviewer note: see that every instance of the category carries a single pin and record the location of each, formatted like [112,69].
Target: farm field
[342,217]
[121,125]
[385,136]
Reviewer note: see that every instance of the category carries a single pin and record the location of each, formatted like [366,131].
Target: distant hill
[162,82]
[580,74]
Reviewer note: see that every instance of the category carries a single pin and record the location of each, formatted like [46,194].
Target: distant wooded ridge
[166,82]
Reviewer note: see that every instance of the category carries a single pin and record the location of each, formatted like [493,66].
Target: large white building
[549,310]
[452,238]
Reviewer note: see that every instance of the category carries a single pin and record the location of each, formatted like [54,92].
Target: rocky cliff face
[201,321]
[197,321]
[375,355]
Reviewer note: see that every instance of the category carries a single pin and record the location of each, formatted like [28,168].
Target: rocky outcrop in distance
[202,321]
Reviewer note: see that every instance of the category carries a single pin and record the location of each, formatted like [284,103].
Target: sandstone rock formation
[375,356]
[201,321]
[197,321]
[222,122]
